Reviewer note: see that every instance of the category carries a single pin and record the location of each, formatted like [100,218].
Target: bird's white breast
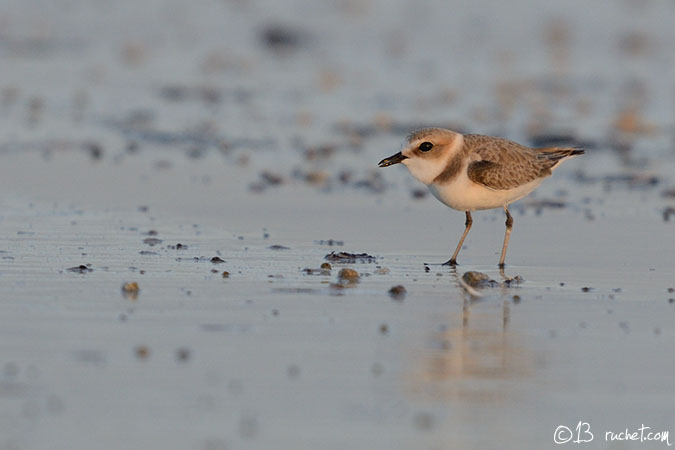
[462,194]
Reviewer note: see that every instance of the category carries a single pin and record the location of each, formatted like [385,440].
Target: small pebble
[226,274]
[477,279]
[419,193]
[217,260]
[349,275]
[397,292]
[182,354]
[142,352]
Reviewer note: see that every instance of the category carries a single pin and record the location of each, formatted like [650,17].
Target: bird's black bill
[394,159]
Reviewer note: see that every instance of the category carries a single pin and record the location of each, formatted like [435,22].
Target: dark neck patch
[452,169]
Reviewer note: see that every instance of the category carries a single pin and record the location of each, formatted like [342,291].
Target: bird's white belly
[464,195]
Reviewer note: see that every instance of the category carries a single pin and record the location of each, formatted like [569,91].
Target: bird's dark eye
[426,146]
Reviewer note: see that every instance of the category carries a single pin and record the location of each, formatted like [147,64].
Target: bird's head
[427,153]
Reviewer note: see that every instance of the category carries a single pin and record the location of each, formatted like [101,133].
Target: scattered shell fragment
[345,257]
[130,290]
[309,271]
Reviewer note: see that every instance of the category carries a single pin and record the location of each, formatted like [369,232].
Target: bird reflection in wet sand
[470,358]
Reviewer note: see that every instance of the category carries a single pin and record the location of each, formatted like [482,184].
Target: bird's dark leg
[467,224]
[507,235]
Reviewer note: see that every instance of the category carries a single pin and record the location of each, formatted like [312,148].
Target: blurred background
[317,86]
[215,151]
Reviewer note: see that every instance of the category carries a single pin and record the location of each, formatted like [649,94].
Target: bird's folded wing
[500,164]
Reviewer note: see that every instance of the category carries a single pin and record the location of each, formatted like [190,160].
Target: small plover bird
[472,172]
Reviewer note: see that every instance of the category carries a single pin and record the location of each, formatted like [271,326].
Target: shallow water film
[198,250]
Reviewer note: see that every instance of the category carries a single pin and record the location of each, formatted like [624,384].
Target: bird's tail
[556,154]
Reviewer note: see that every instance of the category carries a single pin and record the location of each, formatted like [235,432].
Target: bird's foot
[502,273]
[451,263]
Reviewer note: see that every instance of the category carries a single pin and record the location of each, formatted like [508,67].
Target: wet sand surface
[213,152]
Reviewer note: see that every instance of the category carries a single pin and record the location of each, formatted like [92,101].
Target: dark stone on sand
[182,355]
[280,37]
[271,179]
[278,247]
[217,260]
[668,193]
[419,193]
[94,149]
[152,241]
[80,269]
[397,292]
[667,212]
